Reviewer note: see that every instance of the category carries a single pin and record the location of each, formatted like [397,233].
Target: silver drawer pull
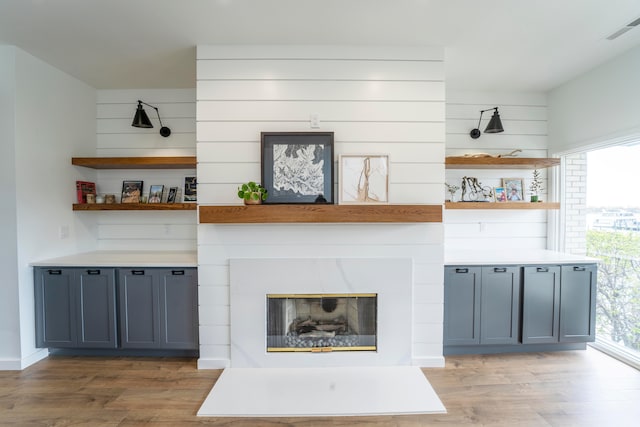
[462,270]
[542,269]
[499,270]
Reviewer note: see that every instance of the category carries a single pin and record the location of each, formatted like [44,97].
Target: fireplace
[372,295]
[321,322]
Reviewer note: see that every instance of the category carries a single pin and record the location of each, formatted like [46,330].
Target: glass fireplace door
[321,322]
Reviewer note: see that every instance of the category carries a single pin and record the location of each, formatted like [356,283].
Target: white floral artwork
[298,169]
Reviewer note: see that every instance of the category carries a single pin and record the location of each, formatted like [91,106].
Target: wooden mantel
[310,213]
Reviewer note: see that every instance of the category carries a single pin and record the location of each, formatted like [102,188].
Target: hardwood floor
[577,388]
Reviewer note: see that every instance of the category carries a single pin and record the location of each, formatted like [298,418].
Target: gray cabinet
[540,304]
[492,309]
[559,304]
[500,305]
[158,308]
[481,305]
[578,303]
[75,308]
[462,305]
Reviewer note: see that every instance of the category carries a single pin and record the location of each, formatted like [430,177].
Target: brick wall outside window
[575,203]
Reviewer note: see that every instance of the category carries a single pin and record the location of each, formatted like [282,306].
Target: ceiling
[506,45]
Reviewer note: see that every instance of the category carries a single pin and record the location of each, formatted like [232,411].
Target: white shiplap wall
[145,230]
[524,118]
[376,100]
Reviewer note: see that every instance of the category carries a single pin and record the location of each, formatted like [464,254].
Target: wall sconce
[494,126]
[141,120]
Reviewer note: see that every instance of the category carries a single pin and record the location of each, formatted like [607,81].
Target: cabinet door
[96,308]
[179,308]
[55,307]
[540,304]
[578,303]
[139,317]
[499,305]
[461,305]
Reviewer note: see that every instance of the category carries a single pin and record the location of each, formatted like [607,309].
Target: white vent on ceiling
[624,29]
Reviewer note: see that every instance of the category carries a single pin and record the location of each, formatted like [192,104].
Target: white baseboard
[20,364]
[213,363]
[428,362]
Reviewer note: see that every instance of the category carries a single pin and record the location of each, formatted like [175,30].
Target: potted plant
[452,190]
[536,186]
[252,193]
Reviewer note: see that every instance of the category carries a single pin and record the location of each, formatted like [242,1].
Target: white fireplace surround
[252,279]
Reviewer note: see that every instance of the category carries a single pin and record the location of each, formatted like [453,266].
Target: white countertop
[519,256]
[123,259]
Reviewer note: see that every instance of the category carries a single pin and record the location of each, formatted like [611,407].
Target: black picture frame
[297,167]
[131,192]
[190,189]
[171,197]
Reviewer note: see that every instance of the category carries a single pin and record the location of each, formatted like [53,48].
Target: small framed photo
[155,193]
[131,191]
[514,189]
[171,197]
[297,167]
[190,189]
[500,194]
[364,179]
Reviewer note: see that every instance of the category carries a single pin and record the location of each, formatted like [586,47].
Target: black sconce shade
[494,126]
[141,120]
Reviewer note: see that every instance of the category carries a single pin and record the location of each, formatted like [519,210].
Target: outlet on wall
[314,120]
[63,232]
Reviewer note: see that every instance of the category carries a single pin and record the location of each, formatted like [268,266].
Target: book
[83,188]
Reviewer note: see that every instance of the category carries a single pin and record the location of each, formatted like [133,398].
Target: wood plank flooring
[575,388]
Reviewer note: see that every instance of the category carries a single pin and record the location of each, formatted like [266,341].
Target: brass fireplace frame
[322,349]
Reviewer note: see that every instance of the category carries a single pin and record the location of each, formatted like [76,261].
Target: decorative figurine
[477,193]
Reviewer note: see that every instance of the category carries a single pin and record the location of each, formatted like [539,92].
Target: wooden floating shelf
[506,205]
[187,162]
[463,162]
[262,214]
[135,207]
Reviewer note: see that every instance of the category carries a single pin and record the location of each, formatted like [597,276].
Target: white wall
[144,230]
[9,313]
[53,118]
[524,118]
[597,106]
[376,100]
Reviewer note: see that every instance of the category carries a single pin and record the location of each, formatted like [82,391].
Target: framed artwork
[364,179]
[297,167]
[155,193]
[514,189]
[500,194]
[131,191]
[171,197]
[190,189]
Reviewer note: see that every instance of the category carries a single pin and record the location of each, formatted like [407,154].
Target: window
[602,207]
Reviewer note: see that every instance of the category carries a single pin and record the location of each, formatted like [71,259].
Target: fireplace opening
[321,322]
